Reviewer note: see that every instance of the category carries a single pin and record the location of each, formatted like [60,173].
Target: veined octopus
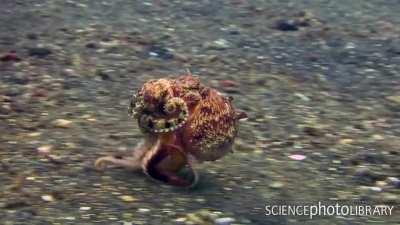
[183,122]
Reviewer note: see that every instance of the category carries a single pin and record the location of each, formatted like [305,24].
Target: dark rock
[32,36]
[103,75]
[396,184]
[394,48]
[374,158]
[369,156]
[64,29]
[312,131]
[286,25]
[91,45]
[58,194]
[39,52]
[26,214]
[365,176]
[312,57]
[106,39]
[14,204]
[303,23]
[234,32]
[72,83]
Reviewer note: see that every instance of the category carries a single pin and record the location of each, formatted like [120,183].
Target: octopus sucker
[183,122]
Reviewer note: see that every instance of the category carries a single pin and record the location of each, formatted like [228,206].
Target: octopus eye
[184,112]
[146,122]
[150,124]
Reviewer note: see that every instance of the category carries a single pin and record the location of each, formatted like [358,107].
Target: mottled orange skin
[206,130]
[211,128]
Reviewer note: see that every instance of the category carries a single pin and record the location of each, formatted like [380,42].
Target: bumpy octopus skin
[183,122]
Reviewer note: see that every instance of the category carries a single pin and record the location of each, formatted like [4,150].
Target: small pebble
[69,218]
[380,183]
[377,189]
[220,44]
[180,220]
[44,149]
[377,137]
[276,185]
[143,210]
[297,157]
[47,198]
[346,141]
[302,97]
[62,123]
[84,208]
[394,181]
[336,161]
[224,221]
[34,134]
[127,198]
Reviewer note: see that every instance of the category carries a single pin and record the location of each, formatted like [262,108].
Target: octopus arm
[165,164]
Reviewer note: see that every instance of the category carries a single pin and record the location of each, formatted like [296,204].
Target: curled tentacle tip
[101,163]
[136,106]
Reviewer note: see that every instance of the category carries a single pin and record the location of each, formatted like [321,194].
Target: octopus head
[156,108]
